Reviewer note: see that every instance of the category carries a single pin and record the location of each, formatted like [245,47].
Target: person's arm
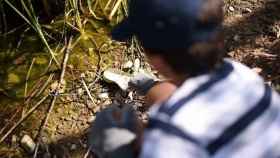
[158,144]
[160,92]
[154,90]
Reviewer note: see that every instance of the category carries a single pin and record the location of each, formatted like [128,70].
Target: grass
[33,21]
[88,21]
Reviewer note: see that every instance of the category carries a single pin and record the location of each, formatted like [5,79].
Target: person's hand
[142,82]
[113,133]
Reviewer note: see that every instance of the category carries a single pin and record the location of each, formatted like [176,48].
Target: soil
[252,33]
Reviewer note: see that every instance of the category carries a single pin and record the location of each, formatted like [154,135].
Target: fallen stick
[23,118]
[10,120]
[87,153]
[116,7]
[54,97]
[87,90]
[30,96]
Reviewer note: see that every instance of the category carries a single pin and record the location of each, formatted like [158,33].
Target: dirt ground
[252,33]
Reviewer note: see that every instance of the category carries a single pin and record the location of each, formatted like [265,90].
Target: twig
[116,7]
[91,10]
[8,122]
[54,97]
[26,81]
[87,153]
[23,118]
[42,89]
[97,74]
[87,90]
[28,99]
[125,8]
[107,5]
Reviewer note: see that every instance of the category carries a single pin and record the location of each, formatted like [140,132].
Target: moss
[41,61]
[13,78]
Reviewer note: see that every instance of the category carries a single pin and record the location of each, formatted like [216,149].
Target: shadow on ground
[252,33]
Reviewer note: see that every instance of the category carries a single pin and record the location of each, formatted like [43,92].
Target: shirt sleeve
[158,144]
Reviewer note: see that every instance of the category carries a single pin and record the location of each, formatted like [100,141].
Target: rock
[236,38]
[84,145]
[137,65]
[231,8]
[247,10]
[104,95]
[73,147]
[82,75]
[117,77]
[28,144]
[60,89]
[130,95]
[128,65]
[14,140]
[80,91]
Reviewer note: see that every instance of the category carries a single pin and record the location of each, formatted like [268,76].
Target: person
[212,106]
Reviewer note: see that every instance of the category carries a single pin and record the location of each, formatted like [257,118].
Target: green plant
[33,21]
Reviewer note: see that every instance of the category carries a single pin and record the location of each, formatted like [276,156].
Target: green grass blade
[19,13]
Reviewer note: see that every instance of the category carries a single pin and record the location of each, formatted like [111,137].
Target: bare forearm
[160,92]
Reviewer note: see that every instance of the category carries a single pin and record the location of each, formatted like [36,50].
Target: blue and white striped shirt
[227,114]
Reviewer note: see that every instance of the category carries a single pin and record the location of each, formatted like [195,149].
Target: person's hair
[203,56]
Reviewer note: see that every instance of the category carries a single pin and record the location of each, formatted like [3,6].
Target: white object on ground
[28,144]
[128,65]
[118,77]
[104,95]
[231,8]
[137,65]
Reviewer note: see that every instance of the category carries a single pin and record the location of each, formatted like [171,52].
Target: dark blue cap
[165,24]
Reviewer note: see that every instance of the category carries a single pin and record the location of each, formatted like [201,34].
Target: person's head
[180,37]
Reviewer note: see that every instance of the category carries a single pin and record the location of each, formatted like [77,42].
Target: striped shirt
[230,113]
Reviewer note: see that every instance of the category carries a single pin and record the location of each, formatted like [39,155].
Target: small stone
[84,145]
[73,147]
[117,77]
[82,75]
[231,8]
[236,38]
[103,90]
[60,89]
[80,91]
[14,140]
[130,95]
[107,102]
[247,10]
[137,65]
[103,95]
[128,65]
[28,144]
